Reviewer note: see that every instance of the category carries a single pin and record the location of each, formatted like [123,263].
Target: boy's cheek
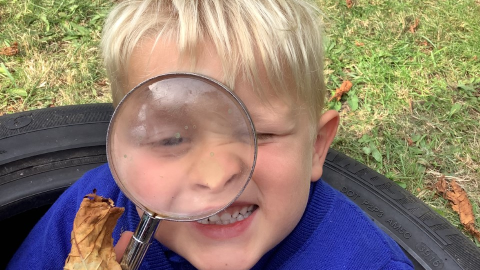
[284,170]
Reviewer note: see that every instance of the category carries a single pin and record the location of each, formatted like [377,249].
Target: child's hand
[122,245]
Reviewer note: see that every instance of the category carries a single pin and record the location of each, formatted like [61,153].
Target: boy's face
[289,158]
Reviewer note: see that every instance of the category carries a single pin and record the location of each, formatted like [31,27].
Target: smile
[230,215]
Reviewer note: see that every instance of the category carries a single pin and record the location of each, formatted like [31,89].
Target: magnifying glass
[182,147]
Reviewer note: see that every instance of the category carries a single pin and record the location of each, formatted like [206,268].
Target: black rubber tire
[42,152]
[427,238]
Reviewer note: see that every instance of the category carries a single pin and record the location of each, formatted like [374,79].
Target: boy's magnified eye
[172,141]
[175,139]
[170,147]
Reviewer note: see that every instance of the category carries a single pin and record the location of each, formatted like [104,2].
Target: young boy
[270,53]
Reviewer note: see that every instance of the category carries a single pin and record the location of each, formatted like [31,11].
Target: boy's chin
[222,259]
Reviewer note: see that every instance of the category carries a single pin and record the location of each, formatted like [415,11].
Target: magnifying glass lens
[181,146]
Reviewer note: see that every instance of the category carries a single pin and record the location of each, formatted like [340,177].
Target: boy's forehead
[151,58]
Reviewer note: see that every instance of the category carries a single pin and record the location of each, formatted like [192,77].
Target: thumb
[122,244]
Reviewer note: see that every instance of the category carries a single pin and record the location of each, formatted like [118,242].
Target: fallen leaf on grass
[344,88]
[52,103]
[410,142]
[460,203]
[92,242]
[11,50]
[349,3]
[359,44]
[414,26]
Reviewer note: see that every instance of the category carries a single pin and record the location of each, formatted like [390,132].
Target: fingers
[122,244]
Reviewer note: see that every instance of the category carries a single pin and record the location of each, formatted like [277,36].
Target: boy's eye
[264,136]
[171,147]
[172,141]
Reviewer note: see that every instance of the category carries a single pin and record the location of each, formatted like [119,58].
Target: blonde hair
[283,35]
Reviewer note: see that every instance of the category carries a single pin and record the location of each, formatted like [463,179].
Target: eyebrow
[273,118]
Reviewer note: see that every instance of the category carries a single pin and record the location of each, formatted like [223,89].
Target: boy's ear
[326,131]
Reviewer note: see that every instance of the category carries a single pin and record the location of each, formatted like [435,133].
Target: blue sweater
[332,234]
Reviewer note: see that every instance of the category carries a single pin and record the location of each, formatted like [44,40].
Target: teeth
[214,218]
[224,218]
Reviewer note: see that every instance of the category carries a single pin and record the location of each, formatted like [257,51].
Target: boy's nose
[217,170]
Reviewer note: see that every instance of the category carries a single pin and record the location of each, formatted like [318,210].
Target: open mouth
[230,215]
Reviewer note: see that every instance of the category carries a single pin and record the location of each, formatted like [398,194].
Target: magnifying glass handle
[138,245]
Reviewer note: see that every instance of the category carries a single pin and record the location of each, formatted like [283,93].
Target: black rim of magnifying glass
[157,79]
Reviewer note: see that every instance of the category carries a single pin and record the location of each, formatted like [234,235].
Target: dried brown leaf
[410,142]
[92,242]
[441,186]
[359,44]
[414,26]
[344,88]
[460,203]
[349,3]
[9,51]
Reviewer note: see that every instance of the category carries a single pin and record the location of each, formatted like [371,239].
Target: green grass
[413,112]
[58,63]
